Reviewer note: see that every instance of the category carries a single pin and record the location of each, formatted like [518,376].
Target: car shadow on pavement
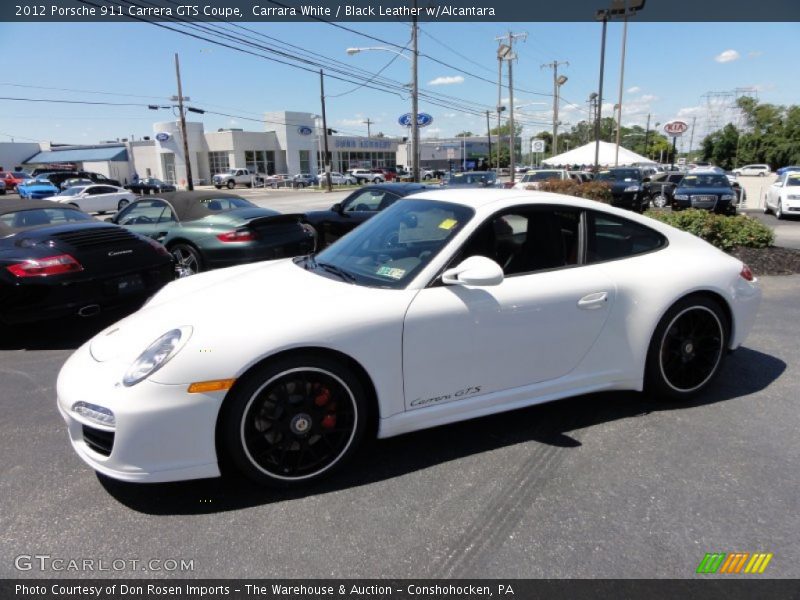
[58,334]
[745,372]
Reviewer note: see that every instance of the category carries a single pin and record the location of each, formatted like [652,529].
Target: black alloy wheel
[187,260]
[294,421]
[687,348]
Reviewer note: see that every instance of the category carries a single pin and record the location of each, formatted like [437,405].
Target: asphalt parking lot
[604,485]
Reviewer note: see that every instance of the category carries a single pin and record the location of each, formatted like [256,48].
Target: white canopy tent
[584,155]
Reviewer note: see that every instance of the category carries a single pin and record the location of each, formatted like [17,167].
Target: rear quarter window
[611,238]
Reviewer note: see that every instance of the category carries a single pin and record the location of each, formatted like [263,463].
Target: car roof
[188,205]
[401,188]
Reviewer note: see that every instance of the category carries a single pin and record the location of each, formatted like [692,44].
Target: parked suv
[759,170]
[367,176]
[233,177]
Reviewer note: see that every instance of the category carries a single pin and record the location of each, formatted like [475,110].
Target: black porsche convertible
[57,261]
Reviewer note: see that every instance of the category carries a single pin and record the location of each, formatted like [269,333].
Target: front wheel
[187,260]
[231,184]
[122,204]
[687,347]
[659,200]
[293,421]
[779,211]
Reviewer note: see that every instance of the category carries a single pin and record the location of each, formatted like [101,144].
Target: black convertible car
[150,185]
[359,206]
[57,261]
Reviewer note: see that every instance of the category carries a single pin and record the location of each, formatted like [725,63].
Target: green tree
[505,129]
[465,134]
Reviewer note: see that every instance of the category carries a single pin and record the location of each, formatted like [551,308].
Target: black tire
[281,413]
[3,192]
[219,187]
[74,205]
[122,204]
[779,211]
[659,200]
[687,349]
[187,259]
[231,184]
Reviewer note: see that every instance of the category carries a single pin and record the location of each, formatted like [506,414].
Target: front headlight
[793,197]
[632,188]
[727,197]
[681,197]
[157,355]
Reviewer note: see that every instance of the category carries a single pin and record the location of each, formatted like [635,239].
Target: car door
[774,193]
[535,326]
[104,198]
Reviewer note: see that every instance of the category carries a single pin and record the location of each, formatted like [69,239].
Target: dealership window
[305,161]
[218,162]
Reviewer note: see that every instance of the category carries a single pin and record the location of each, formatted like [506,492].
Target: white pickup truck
[233,177]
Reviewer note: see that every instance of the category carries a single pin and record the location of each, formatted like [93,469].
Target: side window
[388,200]
[142,213]
[610,238]
[367,200]
[527,240]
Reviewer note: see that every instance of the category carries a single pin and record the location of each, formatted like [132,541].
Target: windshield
[390,249]
[620,175]
[73,191]
[793,180]
[541,176]
[470,178]
[710,180]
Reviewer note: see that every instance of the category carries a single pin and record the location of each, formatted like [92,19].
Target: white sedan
[783,196]
[449,305]
[96,198]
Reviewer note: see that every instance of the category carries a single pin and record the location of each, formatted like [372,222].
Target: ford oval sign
[162,136]
[676,128]
[305,130]
[423,120]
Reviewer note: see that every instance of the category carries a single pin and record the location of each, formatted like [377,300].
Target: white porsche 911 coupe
[449,305]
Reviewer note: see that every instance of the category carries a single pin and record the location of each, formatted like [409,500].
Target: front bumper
[629,200]
[723,207]
[161,433]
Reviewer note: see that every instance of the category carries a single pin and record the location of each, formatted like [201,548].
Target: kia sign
[676,128]
[304,130]
[162,136]
[423,120]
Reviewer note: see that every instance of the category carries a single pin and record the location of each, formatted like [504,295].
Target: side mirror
[337,208]
[646,180]
[475,270]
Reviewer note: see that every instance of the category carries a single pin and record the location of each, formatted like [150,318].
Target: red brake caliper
[321,399]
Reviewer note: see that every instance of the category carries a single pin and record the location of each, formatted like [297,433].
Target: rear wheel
[687,348]
[187,260]
[293,421]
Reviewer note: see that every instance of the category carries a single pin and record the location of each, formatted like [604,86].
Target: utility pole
[556,88]
[414,95]
[368,123]
[647,136]
[489,133]
[499,105]
[184,134]
[604,15]
[325,133]
[691,136]
[621,80]
[506,52]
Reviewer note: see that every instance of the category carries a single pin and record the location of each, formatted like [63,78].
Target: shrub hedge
[592,190]
[723,232]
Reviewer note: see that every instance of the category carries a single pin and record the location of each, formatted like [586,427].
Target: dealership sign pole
[675,129]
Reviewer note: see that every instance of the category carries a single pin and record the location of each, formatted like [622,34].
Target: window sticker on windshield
[690,177]
[391,272]
[794,175]
[448,224]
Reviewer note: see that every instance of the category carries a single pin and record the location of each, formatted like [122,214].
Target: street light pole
[414,95]
[489,134]
[621,79]
[325,133]
[184,135]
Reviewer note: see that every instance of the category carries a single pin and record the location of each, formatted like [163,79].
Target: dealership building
[291,144]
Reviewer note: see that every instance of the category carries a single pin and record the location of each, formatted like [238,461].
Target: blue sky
[669,68]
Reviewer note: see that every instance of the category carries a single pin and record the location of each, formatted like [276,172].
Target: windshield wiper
[309,262]
[345,275]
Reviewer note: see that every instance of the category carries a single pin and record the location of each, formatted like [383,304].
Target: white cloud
[233,122]
[648,98]
[727,56]
[755,53]
[693,111]
[634,90]
[350,122]
[450,115]
[431,132]
[448,80]
[764,87]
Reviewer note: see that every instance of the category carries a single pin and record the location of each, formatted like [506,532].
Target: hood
[271,304]
[709,191]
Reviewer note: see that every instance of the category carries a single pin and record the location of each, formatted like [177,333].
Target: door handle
[593,301]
